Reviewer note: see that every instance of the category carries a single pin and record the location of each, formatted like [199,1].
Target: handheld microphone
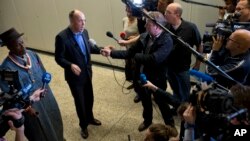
[24,92]
[110,35]
[201,76]
[123,35]
[143,79]
[46,80]
[92,43]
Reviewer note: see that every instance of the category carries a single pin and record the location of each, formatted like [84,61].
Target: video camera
[214,108]
[137,5]
[16,97]
[224,28]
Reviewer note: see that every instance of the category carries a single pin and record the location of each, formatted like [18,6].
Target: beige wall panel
[41,20]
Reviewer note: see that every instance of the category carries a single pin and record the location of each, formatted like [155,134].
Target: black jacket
[155,61]
[68,52]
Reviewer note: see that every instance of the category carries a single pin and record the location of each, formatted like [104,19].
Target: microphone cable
[121,85]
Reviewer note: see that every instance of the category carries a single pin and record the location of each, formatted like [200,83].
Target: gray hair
[158,17]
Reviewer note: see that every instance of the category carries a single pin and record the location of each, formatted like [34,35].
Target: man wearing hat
[47,124]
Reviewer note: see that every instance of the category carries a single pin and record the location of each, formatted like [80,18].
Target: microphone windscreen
[92,42]
[46,77]
[123,35]
[109,34]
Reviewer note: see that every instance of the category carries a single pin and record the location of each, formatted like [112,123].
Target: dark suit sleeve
[165,46]
[60,53]
[126,54]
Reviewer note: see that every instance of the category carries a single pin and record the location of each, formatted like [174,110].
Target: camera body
[224,28]
[16,97]
[214,109]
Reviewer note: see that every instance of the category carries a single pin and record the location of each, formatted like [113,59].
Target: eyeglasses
[229,39]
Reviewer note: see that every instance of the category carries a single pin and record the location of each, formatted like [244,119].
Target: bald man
[72,53]
[180,57]
[236,61]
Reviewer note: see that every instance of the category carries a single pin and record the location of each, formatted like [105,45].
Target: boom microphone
[201,76]
[46,80]
[110,35]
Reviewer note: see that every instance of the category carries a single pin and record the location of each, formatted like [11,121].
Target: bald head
[77,20]
[176,7]
[173,13]
[239,42]
[243,36]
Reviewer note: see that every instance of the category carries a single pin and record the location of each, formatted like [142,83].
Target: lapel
[85,39]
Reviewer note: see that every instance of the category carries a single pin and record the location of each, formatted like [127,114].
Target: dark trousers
[180,84]
[146,100]
[84,99]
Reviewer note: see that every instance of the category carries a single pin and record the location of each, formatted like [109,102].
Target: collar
[178,26]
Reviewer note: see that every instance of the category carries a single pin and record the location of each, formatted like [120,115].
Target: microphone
[143,79]
[24,92]
[211,24]
[123,36]
[92,43]
[46,80]
[201,76]
[110,35]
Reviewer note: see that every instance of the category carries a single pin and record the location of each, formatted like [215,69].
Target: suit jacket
[68,52]
[154,62]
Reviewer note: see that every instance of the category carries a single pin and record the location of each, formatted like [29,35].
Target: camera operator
[241,96]
[235,62]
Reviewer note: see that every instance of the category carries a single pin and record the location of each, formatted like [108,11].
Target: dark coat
[68,52]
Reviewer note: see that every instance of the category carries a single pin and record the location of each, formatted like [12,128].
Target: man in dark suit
[72,52]
[150,52]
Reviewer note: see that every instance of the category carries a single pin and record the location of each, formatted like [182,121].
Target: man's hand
[75,69]
[37,95]
[16,114]
[189,115]
[150,86]
[217,43]
[106,51]
[123,42]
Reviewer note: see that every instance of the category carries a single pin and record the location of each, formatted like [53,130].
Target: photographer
[235,61]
